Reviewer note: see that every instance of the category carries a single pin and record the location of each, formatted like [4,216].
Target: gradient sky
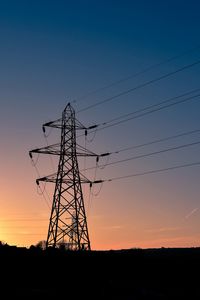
[53,52]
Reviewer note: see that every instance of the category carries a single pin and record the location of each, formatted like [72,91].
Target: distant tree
[3,244]
[32,247]
[41,245]
[62,246]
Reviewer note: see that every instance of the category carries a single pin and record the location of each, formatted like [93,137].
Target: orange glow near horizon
[133,81]
[117,219]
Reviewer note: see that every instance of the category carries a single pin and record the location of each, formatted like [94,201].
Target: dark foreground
[126,274]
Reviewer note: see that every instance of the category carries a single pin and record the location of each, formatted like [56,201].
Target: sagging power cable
[147,69]
[142,85]
[148,172]
[150,154]
[147,110]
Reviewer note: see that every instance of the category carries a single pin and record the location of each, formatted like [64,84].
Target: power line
[152,106]
[156,141]
[47,143]
[42,193]
[150,112]
[186,133]
[151,154]
[140,86]
[149,172]
[146,108]
[38,187]
[136,74]
[108,125]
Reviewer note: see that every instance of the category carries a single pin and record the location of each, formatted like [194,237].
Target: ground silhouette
[165,273]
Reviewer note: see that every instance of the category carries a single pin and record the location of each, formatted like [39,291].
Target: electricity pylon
[68,221]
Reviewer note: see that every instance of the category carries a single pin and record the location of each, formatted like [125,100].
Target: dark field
[125,274]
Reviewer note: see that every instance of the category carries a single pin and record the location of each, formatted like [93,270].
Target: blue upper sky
[53,52]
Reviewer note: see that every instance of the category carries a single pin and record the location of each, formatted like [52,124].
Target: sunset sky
[85,52]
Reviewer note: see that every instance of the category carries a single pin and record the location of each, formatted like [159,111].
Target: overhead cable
[148,172]
[142,85]
[146,111]
[168,100]
[147,69]
[156,141]
[150,154]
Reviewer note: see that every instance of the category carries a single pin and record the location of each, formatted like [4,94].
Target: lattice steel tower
[68,221]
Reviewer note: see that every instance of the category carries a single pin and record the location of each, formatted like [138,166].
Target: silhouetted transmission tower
[68,221]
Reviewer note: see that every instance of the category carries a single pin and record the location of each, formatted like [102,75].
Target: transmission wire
[147,69]
[148,172]
[153,105]
[42,192]
[140,86]
[152,171]
[50,157]
[91,194]
[156,141]
[145,113]
[151,153]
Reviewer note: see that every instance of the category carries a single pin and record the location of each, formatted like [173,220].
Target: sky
[83,52]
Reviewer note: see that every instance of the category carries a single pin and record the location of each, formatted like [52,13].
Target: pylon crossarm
[53,179]
[55,150]
[51,149]
[58,124]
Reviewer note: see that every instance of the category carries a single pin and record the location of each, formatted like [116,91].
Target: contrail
[191,213]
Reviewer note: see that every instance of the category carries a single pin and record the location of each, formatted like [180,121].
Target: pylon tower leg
[68,221]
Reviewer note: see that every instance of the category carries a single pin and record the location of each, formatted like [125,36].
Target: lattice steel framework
[68,221]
